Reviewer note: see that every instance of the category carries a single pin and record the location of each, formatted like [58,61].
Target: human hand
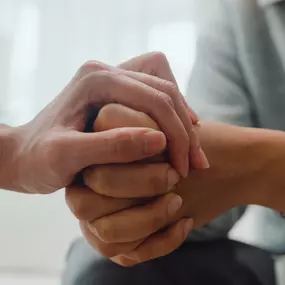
[105,219]
[156,64]
[136,229]
[53,147]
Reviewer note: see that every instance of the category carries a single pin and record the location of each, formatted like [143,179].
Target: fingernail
[172,178]
[188,227]
[198,124]
[174,205]
[194,117]
[204,161]
[199,159]
[154,142]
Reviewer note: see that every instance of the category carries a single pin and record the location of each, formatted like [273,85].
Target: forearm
[246,167]
[256,156]
[9,145]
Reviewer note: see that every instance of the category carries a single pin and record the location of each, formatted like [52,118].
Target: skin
[124,214]
[46,154]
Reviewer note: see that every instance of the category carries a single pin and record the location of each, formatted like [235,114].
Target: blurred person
[238,79]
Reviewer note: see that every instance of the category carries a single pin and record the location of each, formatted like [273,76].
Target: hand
[52,148]
[133,231]
[156,64]
[128,229]
[107,221]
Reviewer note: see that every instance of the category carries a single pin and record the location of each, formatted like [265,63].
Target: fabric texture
[239,78]
[221,262]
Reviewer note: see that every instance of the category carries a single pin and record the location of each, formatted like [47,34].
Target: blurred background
[42,44]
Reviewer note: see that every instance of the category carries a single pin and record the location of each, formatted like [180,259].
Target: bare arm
[45,154]
[246,168]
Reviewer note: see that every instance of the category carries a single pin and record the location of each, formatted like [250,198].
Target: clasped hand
[129,212]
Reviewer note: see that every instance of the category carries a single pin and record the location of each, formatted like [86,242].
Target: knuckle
[123,145]
[91,177]
[164,102]
[90,67]
[159,56]
[76,204]
[107,75]
[103,77]
[172,89]
[117,149]
[107,250]
[99,80]
[157,220]
[102,180]
[106,230]
[158,178]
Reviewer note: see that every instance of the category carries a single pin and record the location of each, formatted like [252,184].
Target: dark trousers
[221,262]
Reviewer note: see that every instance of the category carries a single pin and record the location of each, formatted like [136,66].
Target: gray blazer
[239,78]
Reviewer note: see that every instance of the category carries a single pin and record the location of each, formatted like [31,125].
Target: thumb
[115,115]
[120,145]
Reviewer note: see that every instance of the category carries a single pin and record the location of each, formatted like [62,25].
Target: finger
[162,70]
[156,64]
[131,181]
[117,87]
[198,158]
[114,116]
[124,261]
[124,116]
[171,89]
[114,146]
[162,243]
[152,63]
[106,249]
[87,205]
[137,223]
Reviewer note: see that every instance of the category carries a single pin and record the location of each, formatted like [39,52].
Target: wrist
[236,175]
[272,151]
[10,143]
[249,163]
[237,162]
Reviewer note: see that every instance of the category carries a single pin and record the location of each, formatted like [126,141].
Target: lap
[222,262]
